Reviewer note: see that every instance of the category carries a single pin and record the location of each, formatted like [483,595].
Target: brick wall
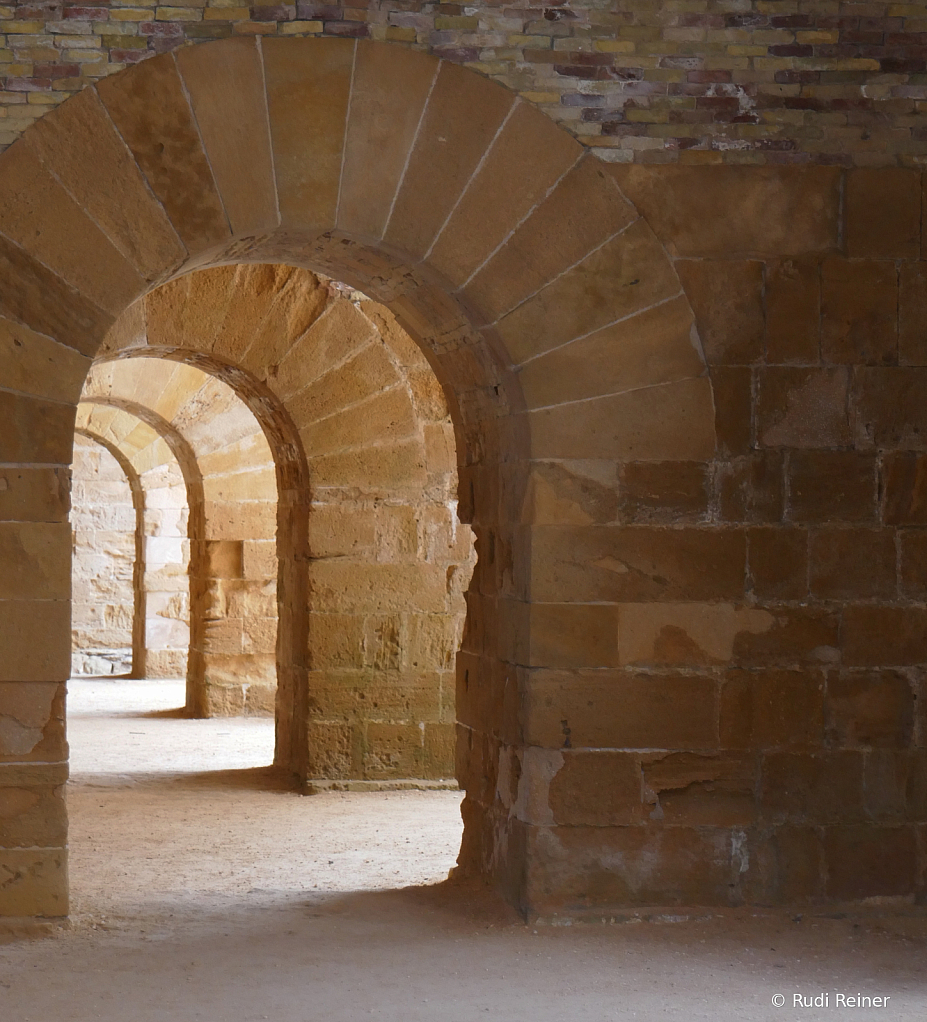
[694,81]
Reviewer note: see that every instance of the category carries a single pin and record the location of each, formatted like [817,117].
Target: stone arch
[368,426]
[548,309]
[165,483]
[97,601]
[230,528]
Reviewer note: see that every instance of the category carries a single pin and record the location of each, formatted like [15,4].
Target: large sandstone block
[866,862]
[772,709]
[166,145]
[460,120]
[572,868]
[238,147]
[673,421]
[817,788]
[308,86]
[700,789]
[637,563]
[793,311]
[832,486]
[727,298]
[388,94]
[725,212]
[34,882]
[40,216]
[883,213]
[596,789]
[619,710]
[581,213]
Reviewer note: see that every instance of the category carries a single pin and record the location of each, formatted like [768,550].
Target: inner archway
[382,168]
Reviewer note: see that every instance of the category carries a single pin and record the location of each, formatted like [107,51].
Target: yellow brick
[537,42]
[24,27]
[614,46]
[817,37]
[132,14]
[301,27]
[746,51]
[227,14]
[400,35]
[178,14]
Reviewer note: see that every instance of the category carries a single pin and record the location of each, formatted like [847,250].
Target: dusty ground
[202,891]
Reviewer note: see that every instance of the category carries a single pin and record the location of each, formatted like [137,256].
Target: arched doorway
[391,171]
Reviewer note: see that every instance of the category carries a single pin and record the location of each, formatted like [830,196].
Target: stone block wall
[103,583]
[686,414]
[387,558]
[160,553]
[748,634]
[695,81]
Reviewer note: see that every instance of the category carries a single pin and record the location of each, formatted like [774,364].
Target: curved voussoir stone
[308,87]
[151,112]
[529,157]
[38,214]
[626,275]
[463,116]
[583,211]
[388,96]
[237,143]
[78,143]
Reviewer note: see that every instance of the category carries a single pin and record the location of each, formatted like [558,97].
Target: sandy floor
[202,891]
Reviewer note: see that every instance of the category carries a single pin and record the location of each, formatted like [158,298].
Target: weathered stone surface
[859,312]
[166,145]
[238,148]
[803,407]
[685,634]
[883,213]
[778,563]
[661,423]
[704,790]
[870,708]
[890,412]
[727,298]
[33,882]
[723,213]
[649,348]
[79,144]
[853,564]
[388,94]
[772,709]
[627,275]
[866,862]
[638,563]
[308,84]
[503,191]
[831,487]
[752,488]
[39,215]
[596,789]
[904,487]
[793,311]
[620,710]
[463,115]
[581,213]
[818,788]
